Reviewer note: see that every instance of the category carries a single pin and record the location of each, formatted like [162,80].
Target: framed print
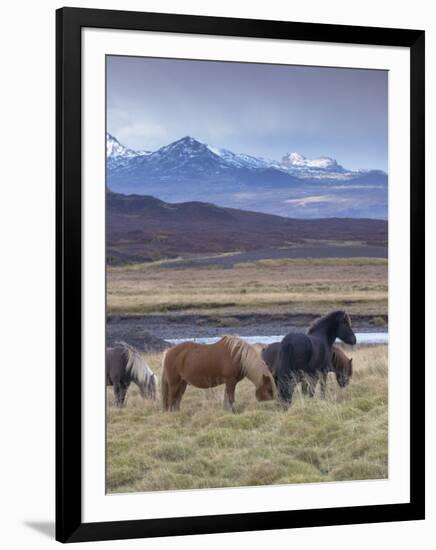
[240,275]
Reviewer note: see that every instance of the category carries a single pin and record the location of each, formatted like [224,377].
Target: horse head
[344,331]
[344,373]
[267,389]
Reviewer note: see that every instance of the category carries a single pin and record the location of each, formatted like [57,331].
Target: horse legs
[175,395]
[180,391]
[323,379]
[229,396]
[120,391]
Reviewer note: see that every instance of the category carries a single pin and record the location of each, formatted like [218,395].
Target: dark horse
[270,354]
[310,355]
[124,364]
[342,366]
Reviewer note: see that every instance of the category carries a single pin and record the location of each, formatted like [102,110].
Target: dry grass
[310,262]
[344,437]
[300,286]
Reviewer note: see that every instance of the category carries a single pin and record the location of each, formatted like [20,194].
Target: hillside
[144,228]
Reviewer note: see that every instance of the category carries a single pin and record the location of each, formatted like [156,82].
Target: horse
[227,362]
[310,355]
[270,354]
[341,366]
[124,365]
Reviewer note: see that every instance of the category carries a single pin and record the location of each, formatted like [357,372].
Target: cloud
[316,199]
[348,186]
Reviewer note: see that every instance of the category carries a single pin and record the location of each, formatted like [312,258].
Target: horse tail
[286,355]
[164,387]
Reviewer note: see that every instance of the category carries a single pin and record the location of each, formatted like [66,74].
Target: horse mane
[140,371]
[252,364]
[340,361]
[327,319]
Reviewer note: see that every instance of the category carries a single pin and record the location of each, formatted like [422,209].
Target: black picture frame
[69,525]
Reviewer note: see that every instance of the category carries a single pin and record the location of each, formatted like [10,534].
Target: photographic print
[247,274]
[240,293]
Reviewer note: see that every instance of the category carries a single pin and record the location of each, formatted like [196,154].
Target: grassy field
[283,285]
[344,437]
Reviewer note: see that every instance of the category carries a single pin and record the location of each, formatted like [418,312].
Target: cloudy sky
[262,110]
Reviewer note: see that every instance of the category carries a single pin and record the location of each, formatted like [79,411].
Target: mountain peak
[186,147]
[116,149]
[187,141]
[297,160]
[294,158]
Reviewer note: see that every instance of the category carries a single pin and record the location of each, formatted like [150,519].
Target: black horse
[308,356]
[340,363]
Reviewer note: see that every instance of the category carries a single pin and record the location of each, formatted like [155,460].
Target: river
[363,338]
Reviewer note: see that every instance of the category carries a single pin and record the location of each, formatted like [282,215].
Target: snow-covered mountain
[296,160]
[240,160]
[200,156]
[320,167]
[188,169]
[115,149]
[117,154]
[190,161]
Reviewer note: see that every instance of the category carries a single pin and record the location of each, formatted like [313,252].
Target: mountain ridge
[144,228]
[291,162]
[188,169]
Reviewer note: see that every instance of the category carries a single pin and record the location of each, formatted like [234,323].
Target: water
[363,338]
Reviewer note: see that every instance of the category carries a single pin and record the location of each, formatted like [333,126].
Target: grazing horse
[341,366]
[310,355]
[124,365]
[208,365]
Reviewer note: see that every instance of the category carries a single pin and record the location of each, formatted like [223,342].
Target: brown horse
[227,362]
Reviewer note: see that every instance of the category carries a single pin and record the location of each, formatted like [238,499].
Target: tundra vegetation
[344,437]
[313,286]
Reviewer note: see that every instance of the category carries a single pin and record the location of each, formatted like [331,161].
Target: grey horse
[124,364]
